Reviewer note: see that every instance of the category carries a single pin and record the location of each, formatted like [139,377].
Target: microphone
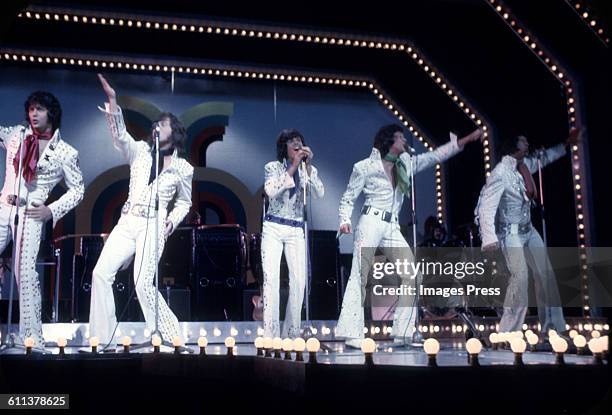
[156,132]
[22,127]
[538,152]
[409,149]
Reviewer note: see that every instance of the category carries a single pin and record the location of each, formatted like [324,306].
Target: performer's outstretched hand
[345,228]
[477,134]
[38,211]
[110,93]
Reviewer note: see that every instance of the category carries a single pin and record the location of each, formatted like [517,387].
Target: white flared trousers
[372,232]
[275,240]
[524,251]
[133,235]
[28,284]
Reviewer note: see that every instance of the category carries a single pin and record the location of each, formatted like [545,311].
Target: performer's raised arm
[442,153]
[122,140]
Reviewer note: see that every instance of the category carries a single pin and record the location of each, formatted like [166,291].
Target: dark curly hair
[384,138]
[179,134]
[50,103]
[281,142]
[509,145]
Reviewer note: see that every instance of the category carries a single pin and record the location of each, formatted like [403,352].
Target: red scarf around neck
[30,154]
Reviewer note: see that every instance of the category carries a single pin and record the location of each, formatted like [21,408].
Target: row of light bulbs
[266,346]
[595,330]
[572,109]
[590,21]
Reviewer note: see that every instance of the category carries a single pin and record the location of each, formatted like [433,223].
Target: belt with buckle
[513,228]
[283,221]
[384,215]
[12,200]
[137,209]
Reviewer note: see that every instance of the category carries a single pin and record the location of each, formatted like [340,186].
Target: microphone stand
[540,182]
[417,339]
[547,307]
[8,341]
[156,330]
[308,330]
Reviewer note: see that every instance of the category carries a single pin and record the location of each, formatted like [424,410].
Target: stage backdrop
[232,127]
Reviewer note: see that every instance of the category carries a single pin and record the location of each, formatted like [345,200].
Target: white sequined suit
[134,235]
[277,237]
[58,161]
[504,216]
[369,177]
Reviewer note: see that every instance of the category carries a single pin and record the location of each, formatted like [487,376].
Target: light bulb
[518,345]
[94,341]
[61,342]
[604,343]
[156,341]
[126,341]
[277,343]
[431,346]
[202,341]
[259,343]
[299,345]
[572,334]
[177,341]
[595,334]
[230,342]
[267,342]
[368,345]
[29,342]
[533,339]
[287,345]
[595,346]
[580,341]
[313,345]
[473,346]
[559,345]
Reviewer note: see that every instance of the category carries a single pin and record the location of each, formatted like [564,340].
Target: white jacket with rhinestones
[503,198]
[370,178]
[174,180]
[58,161]
[277,185]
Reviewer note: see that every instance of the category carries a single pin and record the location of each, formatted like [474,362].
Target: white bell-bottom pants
[133,235]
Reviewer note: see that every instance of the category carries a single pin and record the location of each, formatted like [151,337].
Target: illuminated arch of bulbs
[573,114]
[590,20]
